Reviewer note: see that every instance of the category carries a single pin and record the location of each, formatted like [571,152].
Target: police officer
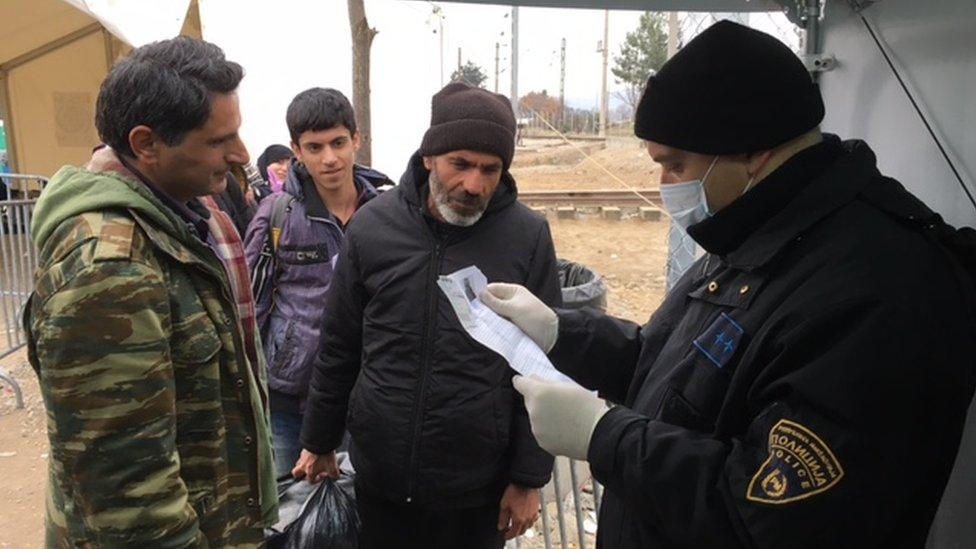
[805,383]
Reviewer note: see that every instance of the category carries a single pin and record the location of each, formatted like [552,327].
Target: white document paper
[498,334]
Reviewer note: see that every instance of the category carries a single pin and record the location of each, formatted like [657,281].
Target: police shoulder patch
[799,465]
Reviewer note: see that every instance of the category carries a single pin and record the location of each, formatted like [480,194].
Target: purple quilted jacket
[290,283]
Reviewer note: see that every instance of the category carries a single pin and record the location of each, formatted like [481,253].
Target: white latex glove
[528,312]
[563,415]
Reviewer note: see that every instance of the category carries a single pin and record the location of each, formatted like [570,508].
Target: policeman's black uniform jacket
[804,385]
[433,415]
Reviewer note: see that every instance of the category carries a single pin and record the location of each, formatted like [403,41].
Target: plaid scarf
[223,239]
[226,243]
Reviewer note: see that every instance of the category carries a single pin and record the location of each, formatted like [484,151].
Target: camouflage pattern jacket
[157,418]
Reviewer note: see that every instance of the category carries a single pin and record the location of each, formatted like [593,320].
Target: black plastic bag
[581,286]
[321,516]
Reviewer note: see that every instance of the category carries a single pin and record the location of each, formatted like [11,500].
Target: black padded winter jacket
[433,415]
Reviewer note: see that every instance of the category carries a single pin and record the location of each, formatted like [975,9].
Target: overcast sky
[287,46]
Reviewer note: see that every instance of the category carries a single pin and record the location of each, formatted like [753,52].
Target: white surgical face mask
[686,202]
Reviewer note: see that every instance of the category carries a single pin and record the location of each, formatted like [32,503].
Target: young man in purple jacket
[292,245]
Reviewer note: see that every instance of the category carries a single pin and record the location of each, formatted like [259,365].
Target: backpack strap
[280,209]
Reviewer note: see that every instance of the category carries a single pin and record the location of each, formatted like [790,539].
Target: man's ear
[429,163]
[357,140]
[144,144]
[297,151]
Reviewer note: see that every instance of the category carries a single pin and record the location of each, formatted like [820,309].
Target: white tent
[53,57]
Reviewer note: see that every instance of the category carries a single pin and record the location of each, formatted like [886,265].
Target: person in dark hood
[292,245]
[272,166]
[806,382]
[439,438]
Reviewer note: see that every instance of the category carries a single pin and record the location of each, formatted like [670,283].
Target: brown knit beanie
[463,117]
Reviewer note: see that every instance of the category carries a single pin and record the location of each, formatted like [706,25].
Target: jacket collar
[837,185]
[300,185]
[180,244]
[194,214]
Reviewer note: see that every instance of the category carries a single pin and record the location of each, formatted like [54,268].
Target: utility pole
[439,13]
[459,59]
[562,81]
[674,29]
[496,66]
[604,96]
[514,69]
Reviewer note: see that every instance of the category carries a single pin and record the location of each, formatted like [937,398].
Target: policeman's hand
[315,467]
[525,310]
[563,415]
[518,510]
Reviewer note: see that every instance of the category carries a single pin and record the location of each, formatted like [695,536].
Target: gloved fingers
[500,299]
[528,386]
[503,290]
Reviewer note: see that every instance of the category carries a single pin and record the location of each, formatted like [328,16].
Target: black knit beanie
[731,90]
[272,154]
[465,117]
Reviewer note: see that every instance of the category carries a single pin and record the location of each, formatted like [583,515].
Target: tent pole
[50,46]
[811,25]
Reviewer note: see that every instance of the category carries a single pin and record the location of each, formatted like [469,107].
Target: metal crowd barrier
[18,260]
[576,507]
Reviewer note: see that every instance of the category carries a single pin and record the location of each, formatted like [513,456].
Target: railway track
[591,198]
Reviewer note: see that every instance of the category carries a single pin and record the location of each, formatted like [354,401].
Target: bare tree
[362,40]
[629,96]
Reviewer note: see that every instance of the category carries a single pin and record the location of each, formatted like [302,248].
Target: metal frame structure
[18,260]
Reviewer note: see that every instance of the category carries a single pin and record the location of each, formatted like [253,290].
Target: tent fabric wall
[53,58]
[54,101]
[932,46]
[30,24]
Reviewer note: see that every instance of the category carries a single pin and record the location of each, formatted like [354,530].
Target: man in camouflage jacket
[140,333]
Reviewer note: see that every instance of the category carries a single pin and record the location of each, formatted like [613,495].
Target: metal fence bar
[6,280]
[32,256]
[546,537]
[20,273]
[597,497]
[559,509]
[18,394]
[577,504]
[18,257]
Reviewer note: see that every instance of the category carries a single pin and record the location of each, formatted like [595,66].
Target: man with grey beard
[441,441]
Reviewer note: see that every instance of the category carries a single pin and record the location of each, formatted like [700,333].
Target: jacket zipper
[433,269]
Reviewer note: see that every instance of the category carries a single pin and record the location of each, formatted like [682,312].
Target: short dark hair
[318,109]
[167,86]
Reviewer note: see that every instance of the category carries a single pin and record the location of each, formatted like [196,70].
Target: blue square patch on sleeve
[719,342]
